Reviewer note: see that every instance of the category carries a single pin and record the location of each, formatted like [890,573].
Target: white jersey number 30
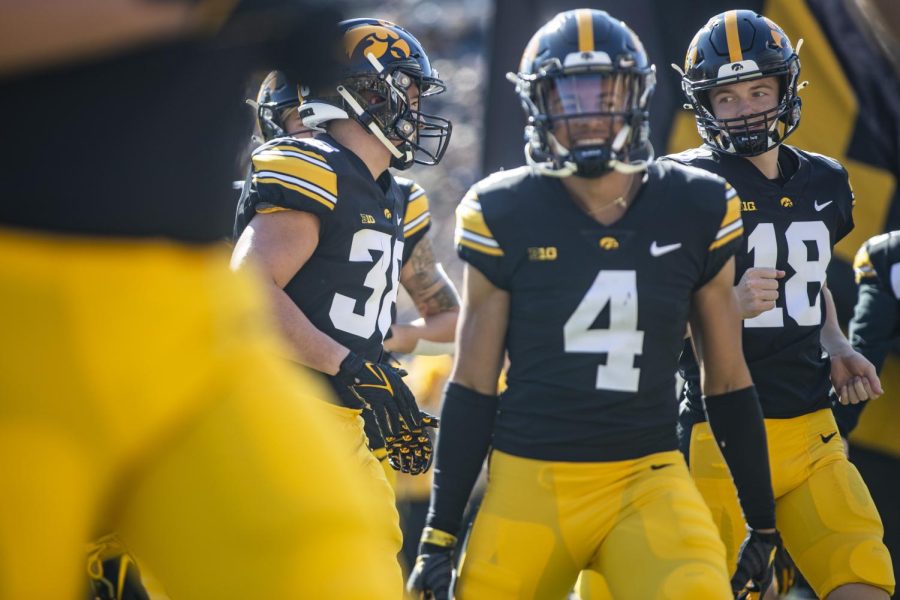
[377,310]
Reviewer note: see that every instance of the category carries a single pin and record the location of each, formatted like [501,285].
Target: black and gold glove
[433,574]
[380,388]
[755,566]
[413,450]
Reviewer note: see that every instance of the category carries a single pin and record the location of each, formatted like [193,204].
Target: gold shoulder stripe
[470,218]
[299,168]
[732,211]
[416,208]
[472,230]
[294,187]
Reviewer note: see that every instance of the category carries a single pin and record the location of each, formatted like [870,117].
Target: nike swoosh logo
[827,438]
[658,467]
[819,207]
[657,250]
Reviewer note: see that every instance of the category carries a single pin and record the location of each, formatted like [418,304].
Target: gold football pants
[138,391]
[826,516]
[641,523]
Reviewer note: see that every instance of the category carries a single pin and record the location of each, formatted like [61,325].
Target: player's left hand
[854,378]
[755,565]
[432,576]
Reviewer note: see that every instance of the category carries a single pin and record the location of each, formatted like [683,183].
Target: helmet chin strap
[624,167]
[371,125]
[368,121]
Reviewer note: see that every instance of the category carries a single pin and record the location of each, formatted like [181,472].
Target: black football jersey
[597,313]
[348,287]
[791,225]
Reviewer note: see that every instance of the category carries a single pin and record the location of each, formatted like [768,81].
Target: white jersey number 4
[621,342]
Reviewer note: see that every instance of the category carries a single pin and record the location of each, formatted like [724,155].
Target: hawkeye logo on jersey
[387,214]
[609,243]
[543,253]
[786,202]
[748,205]
[366,219]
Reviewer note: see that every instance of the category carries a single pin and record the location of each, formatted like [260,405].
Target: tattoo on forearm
[442,300]
[427,284]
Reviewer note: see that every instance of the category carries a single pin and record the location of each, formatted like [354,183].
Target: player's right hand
[432,575]
[757,291]
[755,565]
[380,387]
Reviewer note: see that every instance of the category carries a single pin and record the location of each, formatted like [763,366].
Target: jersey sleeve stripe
[729,228]
[416,208]
[312,157]
[299,186]
[266,210]
[308,185]
[478,243]
[721,241]
[416,224]
[324,179]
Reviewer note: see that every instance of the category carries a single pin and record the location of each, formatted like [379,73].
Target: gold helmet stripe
[585,30]
[733,37]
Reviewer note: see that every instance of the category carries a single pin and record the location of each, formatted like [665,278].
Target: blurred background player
[334,236]
[741,77]
[874,331]
[164,419]
[577,266]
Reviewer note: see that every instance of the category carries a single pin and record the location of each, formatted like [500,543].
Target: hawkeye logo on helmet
[375,40]
[585,59]
[737,69]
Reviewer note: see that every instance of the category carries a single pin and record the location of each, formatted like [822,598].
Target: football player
[138,391]
[876,318]
[334,236]
[741,77]
[585,266]
[276,105]
[421,275]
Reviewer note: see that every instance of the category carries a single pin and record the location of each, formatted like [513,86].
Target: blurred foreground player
[137,392]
